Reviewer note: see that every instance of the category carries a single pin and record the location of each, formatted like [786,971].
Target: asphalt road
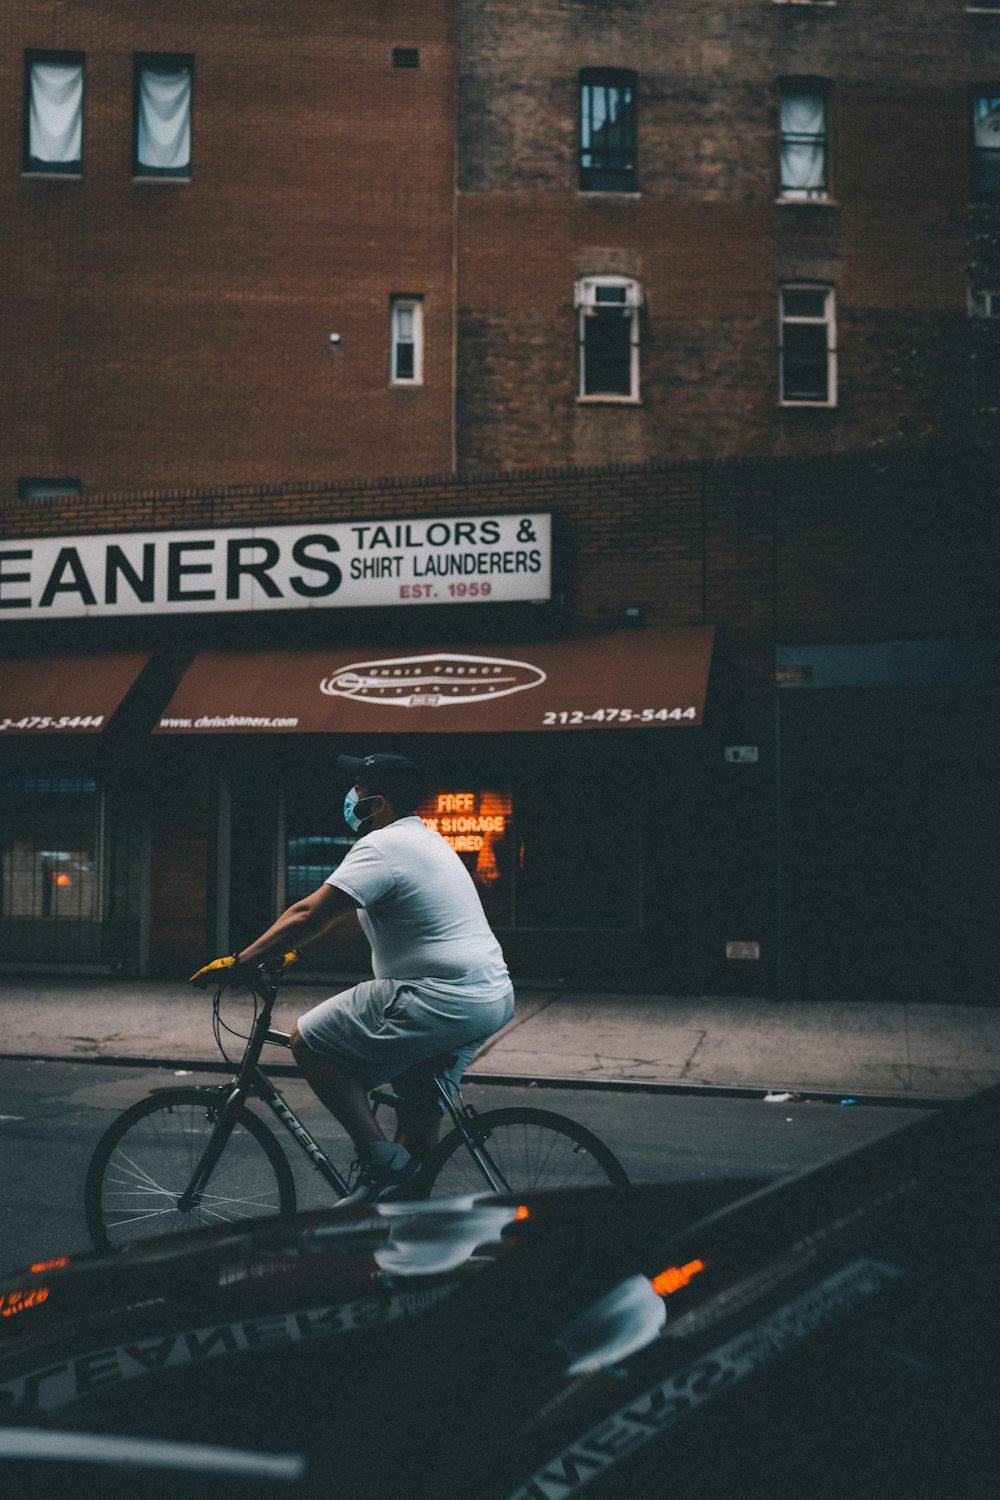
[52,1114]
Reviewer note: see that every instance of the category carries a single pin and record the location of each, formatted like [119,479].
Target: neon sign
[470,822]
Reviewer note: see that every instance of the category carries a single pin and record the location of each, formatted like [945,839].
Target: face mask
[350,810]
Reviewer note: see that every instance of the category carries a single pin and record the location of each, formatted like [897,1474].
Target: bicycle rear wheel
[145,1160]
[531,1148]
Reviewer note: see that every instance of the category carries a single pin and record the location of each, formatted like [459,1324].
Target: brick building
[666,332]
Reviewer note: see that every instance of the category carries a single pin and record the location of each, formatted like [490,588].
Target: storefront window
[70,871]
[478,825]
[50,828]
[315,837]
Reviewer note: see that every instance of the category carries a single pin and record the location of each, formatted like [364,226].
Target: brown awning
[641,679]
[65,694]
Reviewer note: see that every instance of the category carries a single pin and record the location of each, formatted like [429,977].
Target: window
[608,130]
[609,337]
[47,489]
[986,143]
[407,341]
[984,304]
[808,346]
[984,312]
[406,57]
[804,146]
[162,116]
[53,113]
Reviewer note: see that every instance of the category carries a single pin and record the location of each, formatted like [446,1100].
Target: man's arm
[302,924]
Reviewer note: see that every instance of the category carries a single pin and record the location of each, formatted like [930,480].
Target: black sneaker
[388,1168]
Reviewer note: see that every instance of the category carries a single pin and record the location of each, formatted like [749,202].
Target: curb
[528,1080]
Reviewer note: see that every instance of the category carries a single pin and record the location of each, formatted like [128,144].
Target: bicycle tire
[145,1160]
[534,1148]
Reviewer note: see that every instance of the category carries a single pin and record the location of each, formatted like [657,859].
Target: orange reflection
[522,1211]
[674,1277]
[12,1303]
[50,1265]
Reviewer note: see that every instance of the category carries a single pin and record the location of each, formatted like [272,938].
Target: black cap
[393,776]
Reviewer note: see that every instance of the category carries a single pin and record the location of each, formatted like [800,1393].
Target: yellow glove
[219,971]
[283,962]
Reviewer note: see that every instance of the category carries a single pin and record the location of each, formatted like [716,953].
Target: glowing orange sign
[471,822]
[674,1277]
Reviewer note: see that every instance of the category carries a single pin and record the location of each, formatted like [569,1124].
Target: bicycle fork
[219,1139]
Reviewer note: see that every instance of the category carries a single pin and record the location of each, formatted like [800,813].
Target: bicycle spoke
[145,1166]
[526,1148]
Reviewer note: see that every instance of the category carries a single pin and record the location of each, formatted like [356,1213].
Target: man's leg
[344,1095]
[419,1126]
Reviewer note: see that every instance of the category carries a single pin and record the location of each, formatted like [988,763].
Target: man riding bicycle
[441,985]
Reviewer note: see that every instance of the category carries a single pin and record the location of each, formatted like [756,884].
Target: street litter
[779,1098]
[182,1072]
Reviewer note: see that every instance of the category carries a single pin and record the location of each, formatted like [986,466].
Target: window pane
[986,172]
[49,850]
[803,141]
[55,115]
[986,122]
[805,363]
[405,368]
[607,133]
[47,489]
[804,304]
[608,353]
[163,127]
[986,144]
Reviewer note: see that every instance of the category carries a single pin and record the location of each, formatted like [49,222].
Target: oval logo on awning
[431,681]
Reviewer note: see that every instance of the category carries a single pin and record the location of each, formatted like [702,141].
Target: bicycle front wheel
[146,1159]
[529,1148]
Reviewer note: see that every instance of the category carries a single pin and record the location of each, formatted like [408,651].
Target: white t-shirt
[421,912]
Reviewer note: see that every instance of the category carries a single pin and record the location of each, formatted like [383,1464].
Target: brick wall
[173,333]
[821,548]
[705,235]
[178,335]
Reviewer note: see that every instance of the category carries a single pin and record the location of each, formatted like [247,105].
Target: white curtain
[55,114]
[803,142]
[164,127]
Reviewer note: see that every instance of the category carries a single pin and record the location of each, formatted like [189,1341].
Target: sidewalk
[845,1048]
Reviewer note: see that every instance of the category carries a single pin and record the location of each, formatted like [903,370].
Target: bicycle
[191,1156]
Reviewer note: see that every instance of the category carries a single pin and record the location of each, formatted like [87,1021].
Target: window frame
[414,303]
[587,304]
[31,487]
[623,177]
[804,85]
[978,154]
[829,321]
[32,166]
[160,62]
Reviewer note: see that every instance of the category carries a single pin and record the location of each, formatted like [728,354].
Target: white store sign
[498,559]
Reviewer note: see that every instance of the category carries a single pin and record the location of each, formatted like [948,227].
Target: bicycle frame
[251,1081]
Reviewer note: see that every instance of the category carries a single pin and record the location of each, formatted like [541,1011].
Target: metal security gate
[72,886]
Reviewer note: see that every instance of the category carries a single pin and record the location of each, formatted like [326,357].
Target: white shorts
[382,1027]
